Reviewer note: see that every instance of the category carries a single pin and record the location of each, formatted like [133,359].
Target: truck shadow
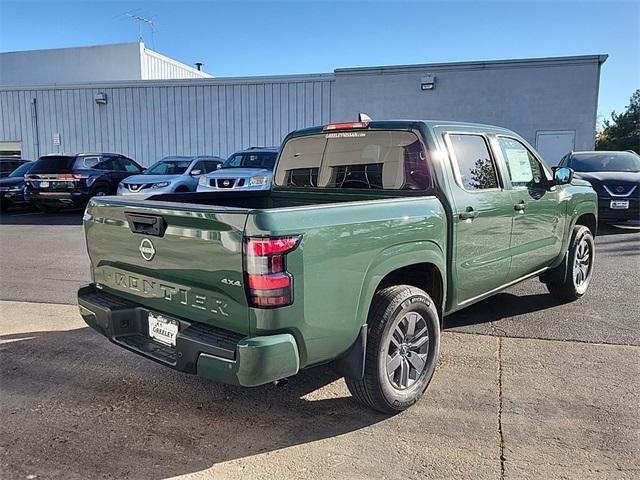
[84,408]
[500,306]
[35,217]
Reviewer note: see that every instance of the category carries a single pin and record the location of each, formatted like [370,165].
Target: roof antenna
[363,117]
[140,19]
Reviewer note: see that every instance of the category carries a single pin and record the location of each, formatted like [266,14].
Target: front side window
[129,165]
[211,165]
[524,169]
[358,159]
[476,168]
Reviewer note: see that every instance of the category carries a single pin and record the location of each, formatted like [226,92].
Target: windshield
[606,162]
[21,170]
[168,167]
[251,160]
[363,159]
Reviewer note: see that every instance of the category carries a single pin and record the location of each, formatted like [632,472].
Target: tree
[622,132]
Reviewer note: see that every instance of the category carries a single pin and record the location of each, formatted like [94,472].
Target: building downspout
[34,122]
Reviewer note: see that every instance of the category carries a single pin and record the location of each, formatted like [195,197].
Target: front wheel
[581,254]
[402,349]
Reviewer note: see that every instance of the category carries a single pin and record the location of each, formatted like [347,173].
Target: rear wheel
[580,259]
[100,190]
[402,349]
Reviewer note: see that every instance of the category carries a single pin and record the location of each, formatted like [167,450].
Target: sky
[242,38]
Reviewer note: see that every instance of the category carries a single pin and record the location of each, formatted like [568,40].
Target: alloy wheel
[407,350]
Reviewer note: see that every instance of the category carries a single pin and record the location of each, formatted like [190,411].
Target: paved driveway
[526,388]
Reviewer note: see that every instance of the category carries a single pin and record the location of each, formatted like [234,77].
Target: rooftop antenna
[143,20]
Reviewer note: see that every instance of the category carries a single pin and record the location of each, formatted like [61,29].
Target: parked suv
[250,169]
[12,187]
[615,176]
[171,174]
[57,180]
[9,164]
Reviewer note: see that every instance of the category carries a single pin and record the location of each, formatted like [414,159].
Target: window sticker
[519,165]
[345,134]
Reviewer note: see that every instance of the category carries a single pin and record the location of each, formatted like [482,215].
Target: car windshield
[168,167]
[251,160]
[21,170]
[606,162]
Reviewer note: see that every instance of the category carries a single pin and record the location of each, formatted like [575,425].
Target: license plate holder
[43,184]
[162,329]
[619,204]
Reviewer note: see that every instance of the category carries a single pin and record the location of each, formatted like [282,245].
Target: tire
[100,190]
[392,312]
[581,255]
[48,208]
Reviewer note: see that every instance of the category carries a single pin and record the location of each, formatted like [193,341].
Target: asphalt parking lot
[526,388]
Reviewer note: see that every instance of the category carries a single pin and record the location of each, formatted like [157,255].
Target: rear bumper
[209,352]
[68,198]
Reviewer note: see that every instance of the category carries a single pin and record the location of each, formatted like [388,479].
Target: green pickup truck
[372,233]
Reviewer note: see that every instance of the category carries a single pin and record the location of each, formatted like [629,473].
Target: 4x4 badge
[147,249]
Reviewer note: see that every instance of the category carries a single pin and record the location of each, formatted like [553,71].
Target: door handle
[520,207]
[468,214]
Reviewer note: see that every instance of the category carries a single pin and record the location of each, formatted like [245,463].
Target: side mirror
[196,172]
[219,166]
[562,175]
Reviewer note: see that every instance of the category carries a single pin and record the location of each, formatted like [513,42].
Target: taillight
[346,126]
[268,283]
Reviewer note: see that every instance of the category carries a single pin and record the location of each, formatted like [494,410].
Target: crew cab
[371,234]
[62,180]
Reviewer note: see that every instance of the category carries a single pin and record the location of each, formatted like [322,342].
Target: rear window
[53,164]
[359,159]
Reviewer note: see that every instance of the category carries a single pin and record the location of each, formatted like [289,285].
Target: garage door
[552,145]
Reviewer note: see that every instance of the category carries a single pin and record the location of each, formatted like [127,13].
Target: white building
[101,63]
[552,102]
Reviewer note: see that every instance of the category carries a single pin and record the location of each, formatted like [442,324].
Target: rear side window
[475,168]
[53,164]
[359,159]
[87,162]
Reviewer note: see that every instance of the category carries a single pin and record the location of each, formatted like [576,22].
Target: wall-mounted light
[428,82]
[100,98]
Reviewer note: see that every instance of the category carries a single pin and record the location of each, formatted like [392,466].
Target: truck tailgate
[183,263]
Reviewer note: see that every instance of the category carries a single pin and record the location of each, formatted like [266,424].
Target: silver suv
[250,169]
[170,175]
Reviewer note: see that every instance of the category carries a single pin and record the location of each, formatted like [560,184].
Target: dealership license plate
[43,184]
[163,329]
[619,204]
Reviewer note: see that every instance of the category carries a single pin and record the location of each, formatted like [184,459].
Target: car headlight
[258,180]
[160,185]
[202,180]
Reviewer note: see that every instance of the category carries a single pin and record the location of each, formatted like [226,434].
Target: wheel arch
[420,264]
